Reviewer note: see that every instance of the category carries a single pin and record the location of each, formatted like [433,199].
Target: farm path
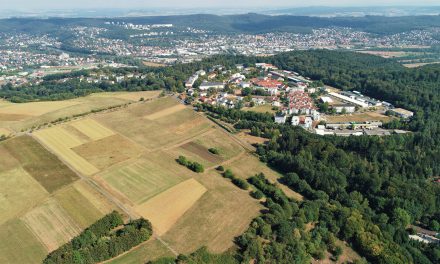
[93,184]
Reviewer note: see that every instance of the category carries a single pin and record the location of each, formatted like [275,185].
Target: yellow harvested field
[166,208]
[36,108]
[78,207]
[142,180]
[18,192]
[13,117]
[19,245]
[132,96]
[52,225]
[108,151]
[60,142]
[5,132]
[100,202]
[166,112]
[92,129]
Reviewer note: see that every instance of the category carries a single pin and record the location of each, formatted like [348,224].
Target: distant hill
[245,23]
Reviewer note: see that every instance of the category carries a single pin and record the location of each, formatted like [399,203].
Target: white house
[295,121]
[348,108]
[245,84]
[208,85]
[280,119]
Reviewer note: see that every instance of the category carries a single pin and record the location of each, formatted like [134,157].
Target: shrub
[220,168]
[240,183]
[182,161]
[257,194]
[214,151]
[228,174]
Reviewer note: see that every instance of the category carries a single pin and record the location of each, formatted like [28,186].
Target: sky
[193,4]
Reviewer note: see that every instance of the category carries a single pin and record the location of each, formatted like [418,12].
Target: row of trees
[102,241]
[192,165]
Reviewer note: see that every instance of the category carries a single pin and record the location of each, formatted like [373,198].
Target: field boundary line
[92,183]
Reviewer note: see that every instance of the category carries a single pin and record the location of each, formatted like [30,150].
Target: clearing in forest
[249,165]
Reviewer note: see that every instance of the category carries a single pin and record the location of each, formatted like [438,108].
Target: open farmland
[61,142]
[21,246]
[13,200]
[108,151]
[92,129]
[166,208]
[161,132]
[125,160]
[78,206]
[142,179]
[151,250]
[51,224]
[26,115]
[5,132]
[39,163]
[165,112]
[230,208]
[36,108]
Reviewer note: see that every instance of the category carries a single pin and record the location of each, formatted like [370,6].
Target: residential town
[293,99]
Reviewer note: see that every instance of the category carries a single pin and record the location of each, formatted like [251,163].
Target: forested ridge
[228,24]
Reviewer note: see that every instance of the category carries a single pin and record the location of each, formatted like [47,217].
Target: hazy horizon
[28,5]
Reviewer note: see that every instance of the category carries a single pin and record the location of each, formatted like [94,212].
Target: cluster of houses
[290,94]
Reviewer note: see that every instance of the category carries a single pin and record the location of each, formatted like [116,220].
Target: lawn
[267,108]
[358,117]
[45,167]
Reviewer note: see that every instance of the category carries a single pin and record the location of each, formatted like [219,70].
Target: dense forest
[105,239]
